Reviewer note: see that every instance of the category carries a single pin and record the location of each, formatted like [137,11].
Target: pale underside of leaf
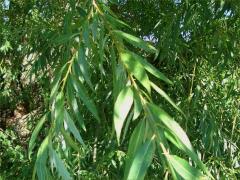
[122,107]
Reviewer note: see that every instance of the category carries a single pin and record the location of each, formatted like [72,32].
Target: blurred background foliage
[198,43]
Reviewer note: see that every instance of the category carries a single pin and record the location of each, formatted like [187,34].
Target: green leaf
[116,22]
[71,126]
[137,105]
[56,83]
[142,160]
[122,107]
[183,168]
[135,142]
[150,68]
[136,68]
[64,38]
[59,111]
[86,34]
[70,141]
[165,96]
[136,41]
[82,94]
[74,106]
[61,169]
[42,155]
[162,117]
[35,133]
[83,64]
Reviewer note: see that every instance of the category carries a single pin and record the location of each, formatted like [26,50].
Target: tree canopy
[126,89]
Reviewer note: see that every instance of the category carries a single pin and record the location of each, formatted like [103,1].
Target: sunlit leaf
[61,169]
[184,169]
[122,107]
[173,126]
[72,127]
[135,141]
[136,68]
[150,68]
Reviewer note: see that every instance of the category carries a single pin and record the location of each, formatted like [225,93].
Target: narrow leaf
[41,160]
[59,111]
[82,94]
[150,68]
[136,41]
[122,107]
[35,133]
[135,142]
[136,68]
[141,161]
[184,169]
[84,67]
[137,105]
[165,96]
[61,169]
[173,126]
[73,128]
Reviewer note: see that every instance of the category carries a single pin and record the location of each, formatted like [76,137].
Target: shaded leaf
[42,155]
[59,111]
[165,96]
[136,41]
[141,161]
[82,94]
[35,133]
[83,64]
[137,105]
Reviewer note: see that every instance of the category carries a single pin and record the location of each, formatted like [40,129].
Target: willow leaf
[122,107]
[151,69]
[83,64]
[165,96]
[59,111]
[82,94]
[137,105]
[73,128]
[173,126]
[136,68]
[135,142]
[135,41]
[61,169]
[42,155]
[183,168]
[35,133]
[141,161]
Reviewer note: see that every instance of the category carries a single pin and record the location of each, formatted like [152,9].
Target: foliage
[104,88]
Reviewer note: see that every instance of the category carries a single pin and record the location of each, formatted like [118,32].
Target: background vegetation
[86,86]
